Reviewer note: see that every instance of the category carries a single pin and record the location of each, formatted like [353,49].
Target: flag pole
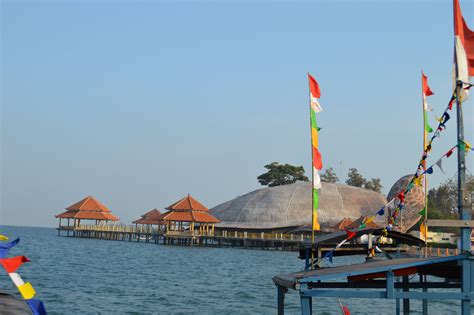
[312,176]
[425,138]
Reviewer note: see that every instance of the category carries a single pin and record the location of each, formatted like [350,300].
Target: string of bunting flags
[416,180]
[11,265]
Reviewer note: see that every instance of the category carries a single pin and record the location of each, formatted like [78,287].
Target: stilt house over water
[88,208]
[186,215]
[149,219]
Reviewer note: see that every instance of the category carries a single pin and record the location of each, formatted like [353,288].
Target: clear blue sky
[140,103]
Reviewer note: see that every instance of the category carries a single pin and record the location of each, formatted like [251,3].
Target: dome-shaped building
[289,206]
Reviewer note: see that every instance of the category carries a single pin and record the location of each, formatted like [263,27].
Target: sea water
[88,276]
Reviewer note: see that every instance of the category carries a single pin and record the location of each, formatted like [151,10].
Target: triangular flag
[5,247]
[439,163]
[430,170]
[329,255]
[3,238]
[417,181]
[350,234]
[314,93]
[422,212]
[346,311]
[369,219]
[448,154]
[381,211]
[12,264]
[36,306]
[401,197]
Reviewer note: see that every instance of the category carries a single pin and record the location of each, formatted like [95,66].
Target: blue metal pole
[281,300]
[306,307]
[463,204]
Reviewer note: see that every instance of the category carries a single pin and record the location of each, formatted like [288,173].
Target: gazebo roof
[186,204]
[189,216]
[88,208]
[344,223]
[151,217]
[88,204]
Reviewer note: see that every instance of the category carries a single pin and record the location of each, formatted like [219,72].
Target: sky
[139,103]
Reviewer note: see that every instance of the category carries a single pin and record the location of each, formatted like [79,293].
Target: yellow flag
[3,238]
[316,226]
[423,231]
[369,219]
[417,181]
[27,291]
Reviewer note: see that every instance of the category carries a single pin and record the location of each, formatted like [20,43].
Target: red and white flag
[463,49]
[314,94]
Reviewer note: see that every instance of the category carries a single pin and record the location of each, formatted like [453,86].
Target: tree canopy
[354,178]
[282,174]
[329,176]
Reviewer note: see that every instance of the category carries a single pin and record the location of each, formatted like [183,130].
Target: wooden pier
[217,238]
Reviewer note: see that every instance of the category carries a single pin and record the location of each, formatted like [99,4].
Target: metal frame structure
[364,282]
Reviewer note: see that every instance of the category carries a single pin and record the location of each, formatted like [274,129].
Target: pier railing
[186,233]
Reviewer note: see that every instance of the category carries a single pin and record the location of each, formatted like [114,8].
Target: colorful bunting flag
[27,291]
[422,212]
[5,247]
[12,264]
[3,238]
[439,163]
[350,234]
[381,211]
[329,255]
[36,306]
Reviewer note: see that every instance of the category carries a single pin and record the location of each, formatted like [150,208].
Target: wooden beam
[451,223]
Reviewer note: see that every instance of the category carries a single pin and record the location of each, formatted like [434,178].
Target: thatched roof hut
[290,206]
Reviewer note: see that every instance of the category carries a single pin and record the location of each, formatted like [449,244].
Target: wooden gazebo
[188,213]
[149,219]
[88,208]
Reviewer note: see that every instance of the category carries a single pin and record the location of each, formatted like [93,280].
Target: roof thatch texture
[290,206]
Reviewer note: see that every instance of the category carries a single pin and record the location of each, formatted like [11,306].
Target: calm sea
[86,276]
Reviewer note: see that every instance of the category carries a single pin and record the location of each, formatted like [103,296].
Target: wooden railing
[187,233]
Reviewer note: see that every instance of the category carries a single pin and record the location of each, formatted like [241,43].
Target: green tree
[282,174]
[329,176]
[374,184]
[442,202]
[354,178]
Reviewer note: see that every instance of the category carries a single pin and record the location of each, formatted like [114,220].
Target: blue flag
[381,211]
[36,306]
[329,256]
[430,170]
[6,246]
